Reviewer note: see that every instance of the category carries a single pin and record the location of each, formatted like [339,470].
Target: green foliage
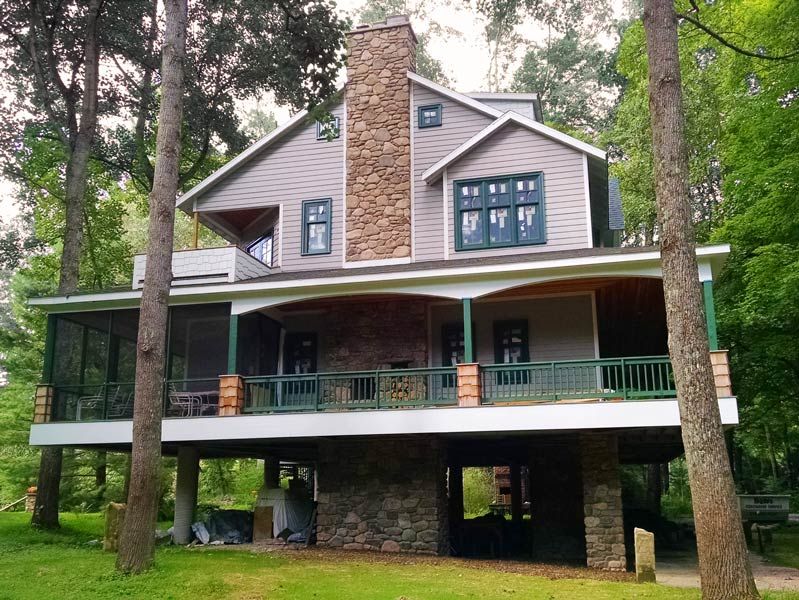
[231,483]
[478,490]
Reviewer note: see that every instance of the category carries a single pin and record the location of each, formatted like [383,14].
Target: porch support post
[468,347]
[516,492]
[49,349]
[195,229]
[710,315]
[232,345]
[271,472]
[455,489]
[231,395]
[187,481]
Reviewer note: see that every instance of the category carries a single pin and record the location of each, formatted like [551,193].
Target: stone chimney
[378,136]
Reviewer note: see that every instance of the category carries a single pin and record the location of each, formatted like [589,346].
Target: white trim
[445,196]
[481,419]
[418,277]
[413,171]
[431,174]
[587,189]
[282,235]
[453,95]
[241,159]
[343,192]
[356,264]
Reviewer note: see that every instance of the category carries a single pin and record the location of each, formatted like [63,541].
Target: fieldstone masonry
[378,186]
[604,525]
[388,495]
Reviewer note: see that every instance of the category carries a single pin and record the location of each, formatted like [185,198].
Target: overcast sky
[465,58]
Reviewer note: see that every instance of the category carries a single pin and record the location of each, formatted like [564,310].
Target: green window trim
[431,115]
[514,195]
[312,216]
[322,129]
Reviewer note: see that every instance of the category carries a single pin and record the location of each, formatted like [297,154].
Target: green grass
[785,551]
[60,565]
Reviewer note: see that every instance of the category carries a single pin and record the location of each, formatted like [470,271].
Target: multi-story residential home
[430,281]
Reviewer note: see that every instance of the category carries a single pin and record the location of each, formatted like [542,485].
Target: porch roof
[463,277]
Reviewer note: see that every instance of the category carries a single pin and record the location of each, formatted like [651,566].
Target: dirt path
[680,570]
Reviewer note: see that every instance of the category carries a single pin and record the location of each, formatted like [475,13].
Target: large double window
[500,212]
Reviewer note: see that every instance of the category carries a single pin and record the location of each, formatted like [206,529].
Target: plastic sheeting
[291,509]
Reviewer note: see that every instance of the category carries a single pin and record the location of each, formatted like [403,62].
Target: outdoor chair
[120,408]
[187,404]
[94,402]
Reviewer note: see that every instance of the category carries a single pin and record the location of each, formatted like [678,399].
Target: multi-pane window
[492,213]
[328,129]
[511,345]
[316,226]
[430,116]
[263,248]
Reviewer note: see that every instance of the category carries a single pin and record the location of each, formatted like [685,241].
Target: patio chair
[120,408]
[94,401]
[186,403]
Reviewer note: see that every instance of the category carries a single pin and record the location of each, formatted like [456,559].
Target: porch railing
[351,390]
[647,377]
[93,402]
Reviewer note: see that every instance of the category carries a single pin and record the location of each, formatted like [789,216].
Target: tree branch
[724,42]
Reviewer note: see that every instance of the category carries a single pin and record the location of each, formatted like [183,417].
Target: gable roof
[434,172]
[456,96]
[241,159]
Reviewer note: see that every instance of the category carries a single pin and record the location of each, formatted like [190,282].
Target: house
[430,281]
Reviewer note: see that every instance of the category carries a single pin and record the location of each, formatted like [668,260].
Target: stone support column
[721,373]
[43,405]
[186,493]
[604,524]
[469,391]
[271,473]
[231,395]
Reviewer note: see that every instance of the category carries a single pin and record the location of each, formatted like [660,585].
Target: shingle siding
[515,150]
[206,265]
[295,169]
[459,123]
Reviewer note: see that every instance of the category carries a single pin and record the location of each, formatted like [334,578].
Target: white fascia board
[186,295]
[502,96]
[445,420]
[453,95]
[433,173]
[241,159]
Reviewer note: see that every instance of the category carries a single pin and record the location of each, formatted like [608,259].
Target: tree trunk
[137,544]
[45,513]
[772,455]
[654,487]
[723,562]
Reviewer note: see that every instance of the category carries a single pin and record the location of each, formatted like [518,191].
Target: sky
[465,58]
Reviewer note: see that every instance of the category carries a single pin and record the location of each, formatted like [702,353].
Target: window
[495,213]
[452,348]
[430,116]
[330,127]
[511,345]
[316,228]
[299,353]
[263,248]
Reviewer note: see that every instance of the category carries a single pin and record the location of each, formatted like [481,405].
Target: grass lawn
[786,546]
[44,565]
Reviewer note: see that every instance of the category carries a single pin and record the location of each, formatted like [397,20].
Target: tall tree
[137,543]
[723,561]
[34,34]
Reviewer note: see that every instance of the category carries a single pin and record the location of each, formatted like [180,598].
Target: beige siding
[297,168]
[515,150]
[459,123]
[560,327]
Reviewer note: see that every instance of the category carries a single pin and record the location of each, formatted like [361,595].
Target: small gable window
[495,213]
[263,248]
[429,116]
[316,226]
[328,129]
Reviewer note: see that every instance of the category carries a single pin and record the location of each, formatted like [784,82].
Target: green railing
[351,390]
[634,378]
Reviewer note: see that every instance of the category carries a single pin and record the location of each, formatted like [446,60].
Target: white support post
[186,493]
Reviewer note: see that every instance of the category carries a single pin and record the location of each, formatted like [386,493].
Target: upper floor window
[316,226]
[492,213]
[430,116]
[263,248]
[328,129]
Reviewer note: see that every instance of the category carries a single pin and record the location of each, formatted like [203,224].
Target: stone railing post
[43,405]
[469,388]
[231,395]
[721,373]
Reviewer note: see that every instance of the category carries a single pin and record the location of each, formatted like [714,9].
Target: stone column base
[231,395]
[43,405]
[721,373]
[469,387]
